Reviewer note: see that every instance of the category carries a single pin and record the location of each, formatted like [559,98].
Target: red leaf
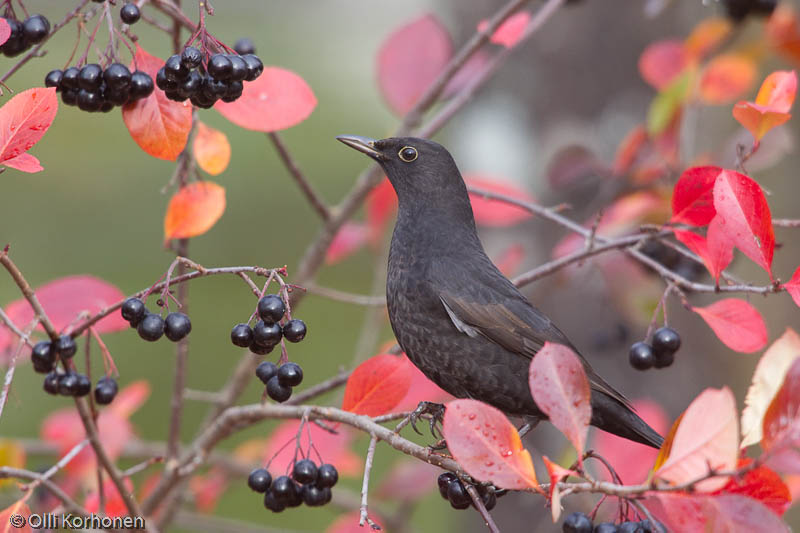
[772,105]
[781,425]
[409,480]
[158,125]
[561,390]
[276,100]
[662,62]
[692,198]
[335,447]
[631,460]
[493,212]
[716,252]
[10,516]
[211,149]
[114,504]
[707,437]
[510,32]
[706,36]
[556,473]
[726,78]
[5,30]
[23,122]
[349,239]
[65,298]
[410,59]
[421,389]
[377,385]
[630,149]
[487,445]
[793,287]
[737,324]
[726,513]
[761,484]
[193,210]
[381,204]
[208,488]
[744,217]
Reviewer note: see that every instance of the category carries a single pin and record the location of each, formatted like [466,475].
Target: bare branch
[311,195]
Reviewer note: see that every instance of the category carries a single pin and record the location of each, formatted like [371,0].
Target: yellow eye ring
[408,154]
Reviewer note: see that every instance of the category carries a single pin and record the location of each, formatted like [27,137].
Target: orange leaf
[276,100]
[726,78]
[662,62]
[377,385]
[212,151]
[556,473]
[23,121]
[511,31]
[772,105]
[193,210]
[737,324]
[11,454]
[783,31]
[14,518]
[707,438]
[706,36]
[560,388]
[487,445]
[158,125]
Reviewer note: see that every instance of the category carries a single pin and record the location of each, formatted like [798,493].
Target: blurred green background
[98,208]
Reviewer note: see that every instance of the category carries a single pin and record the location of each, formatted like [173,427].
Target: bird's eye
[408,154]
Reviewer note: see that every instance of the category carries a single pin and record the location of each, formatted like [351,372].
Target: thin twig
[70,505]
[346,297]
[363,514]
[311,195]
[478,503]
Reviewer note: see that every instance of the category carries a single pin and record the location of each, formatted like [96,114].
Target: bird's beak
[362,144]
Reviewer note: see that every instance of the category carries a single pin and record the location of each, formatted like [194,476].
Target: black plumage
[463,323]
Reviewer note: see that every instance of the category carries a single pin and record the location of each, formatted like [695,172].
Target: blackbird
[463,323]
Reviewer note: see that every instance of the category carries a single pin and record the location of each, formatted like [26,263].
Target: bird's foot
[434,412]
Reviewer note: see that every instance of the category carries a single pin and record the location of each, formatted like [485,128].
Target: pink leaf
[349,239]
[487,445]
[737,324]
[334,447]
[24,163]
[692,198]
[793,287]
[410,59]
[276,100]
[494,212]
[5,30]
[23,122]
[706,438]
[744,217]
[510,32]
[781,424]
[381,204]
[662,62]
[561,390]
[409,480]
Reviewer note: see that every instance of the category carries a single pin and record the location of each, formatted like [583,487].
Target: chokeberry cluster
[151,326]
[279,380]
[453,490]
[203,80]
[738,10]
[309,484]
[25,34]
[93,88]
[581,523]
[45,353]
[660,353]
[262,338]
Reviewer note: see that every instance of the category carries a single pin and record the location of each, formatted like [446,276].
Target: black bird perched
[463,323]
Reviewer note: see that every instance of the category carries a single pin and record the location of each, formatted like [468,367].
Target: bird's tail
[609,414]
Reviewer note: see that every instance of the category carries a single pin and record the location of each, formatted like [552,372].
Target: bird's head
[418,169]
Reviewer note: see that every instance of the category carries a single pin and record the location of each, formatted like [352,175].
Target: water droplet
[489,463]
[472,416]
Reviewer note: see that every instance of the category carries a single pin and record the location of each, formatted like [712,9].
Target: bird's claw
[431,410]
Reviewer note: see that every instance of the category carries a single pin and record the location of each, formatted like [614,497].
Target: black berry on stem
[271,308]
[577,523]
[242,335]
[151,328]
[305,471]
[65,347]
[129,14]
[641,356]
[290,374]
[105,390]
[265,371]
[278,392]
[259,480]
[294,330]
[327,475]
[177,326]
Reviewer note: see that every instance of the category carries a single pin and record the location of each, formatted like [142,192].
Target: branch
[28,293]
[363,514]
[346,297]
[7,472]
[312,196]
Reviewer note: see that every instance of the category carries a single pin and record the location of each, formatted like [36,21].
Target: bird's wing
[502,315]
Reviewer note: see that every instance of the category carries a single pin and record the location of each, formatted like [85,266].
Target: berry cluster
[267,333]
[738,10]
[151,326]
[660,353]
[308,484]
[31,31]
[93,89]
[279,380]
[43,357]
[580,523]
[186,75]
[453,490]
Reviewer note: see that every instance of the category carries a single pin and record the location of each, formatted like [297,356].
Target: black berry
[151,327]
[290,374]
[53,79]
[244,46]
[259,480]
[261,350]
[69,79]
[90,77]
[35,29]
[444,481]
[191,84]
[313,496]
[233,92]
[117,76]
[265,371]
[272,503]
[68,384]
[16,43]
[266,334]
[630,527]
[174,69]
[271,308]
[89,101]
[84,385]
[141,85]
[238,68]
[105,390]
[254,66]
[577,523]
[219,66]
[488,497]
[282,488]
[666,340]
[177,326]
[294,330]
[65,347]
[278,392]
[163,83]
[605,527]
[69,96]
[43,357]
[327,476]
[129,14]
[458,495]
[50,384]
[191,57]
[305,471]
[641,356]
[242,335]
[295,496]
[133,310]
